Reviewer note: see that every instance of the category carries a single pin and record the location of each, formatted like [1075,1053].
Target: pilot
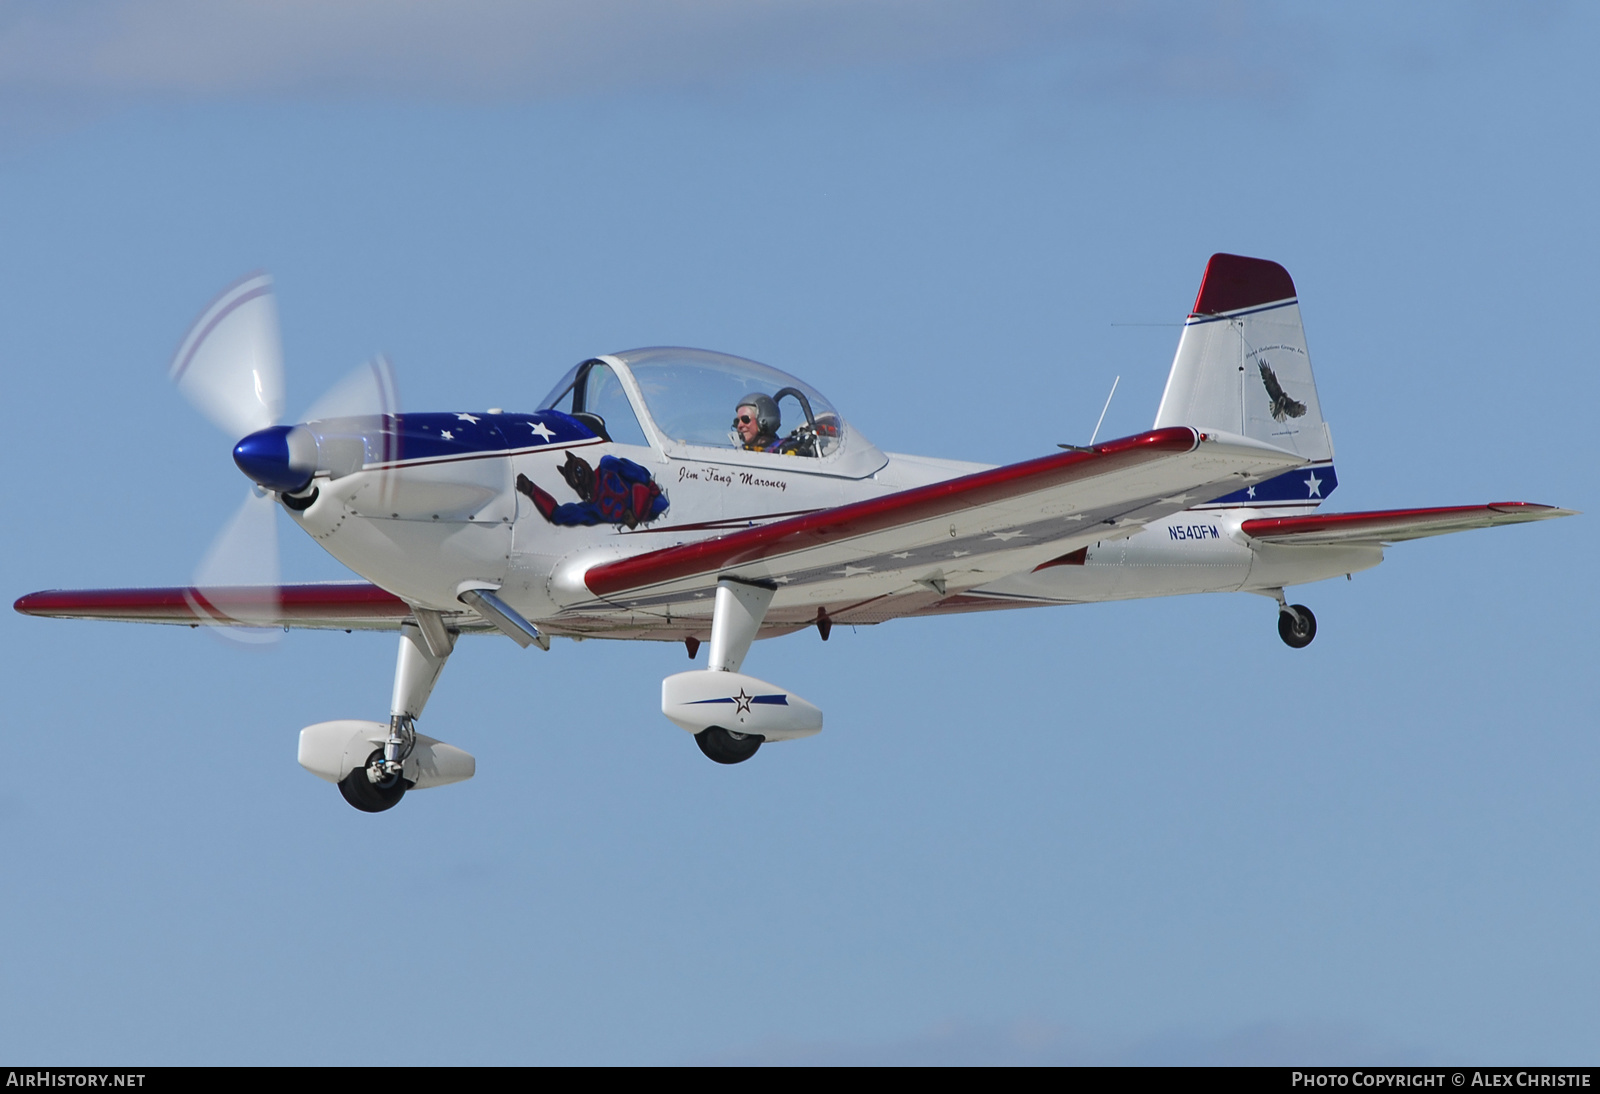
[756,422]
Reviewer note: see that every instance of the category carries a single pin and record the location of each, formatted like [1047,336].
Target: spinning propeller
[230,366]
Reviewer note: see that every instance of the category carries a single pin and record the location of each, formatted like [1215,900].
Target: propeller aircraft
[626,506]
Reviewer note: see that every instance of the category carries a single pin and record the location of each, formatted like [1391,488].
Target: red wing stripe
[1388,519]
[865,517]
[294,602]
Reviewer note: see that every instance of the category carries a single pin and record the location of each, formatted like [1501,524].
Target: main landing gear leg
[1296,625]
[736,617]
[423,651]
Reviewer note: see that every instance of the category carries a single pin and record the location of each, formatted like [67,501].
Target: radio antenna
[1103,410]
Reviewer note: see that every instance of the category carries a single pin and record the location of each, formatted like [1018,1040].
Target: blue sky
[1128,832]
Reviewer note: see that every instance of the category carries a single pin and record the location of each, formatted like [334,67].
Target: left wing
[941,538]
[1394,525]
[346,606]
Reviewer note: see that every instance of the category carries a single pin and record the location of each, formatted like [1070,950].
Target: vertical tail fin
[1242,367]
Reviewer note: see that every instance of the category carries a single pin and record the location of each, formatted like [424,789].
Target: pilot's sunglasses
[743,419]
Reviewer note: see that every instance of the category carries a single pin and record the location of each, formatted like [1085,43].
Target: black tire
[728,748]
[1297,626]
[368,796]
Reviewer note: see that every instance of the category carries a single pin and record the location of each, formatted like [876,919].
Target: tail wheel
[368,796]
[726,747]
[1297,626]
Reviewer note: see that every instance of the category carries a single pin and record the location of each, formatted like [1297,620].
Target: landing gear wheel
[727,747]
[368,796]
[1297,626]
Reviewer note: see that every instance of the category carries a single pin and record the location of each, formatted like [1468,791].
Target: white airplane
[626,506]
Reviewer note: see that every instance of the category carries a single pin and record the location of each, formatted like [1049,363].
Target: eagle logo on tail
[1283,407]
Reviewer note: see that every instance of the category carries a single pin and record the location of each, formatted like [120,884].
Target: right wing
[946,536]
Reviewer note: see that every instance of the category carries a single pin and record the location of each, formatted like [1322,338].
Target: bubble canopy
[690,397]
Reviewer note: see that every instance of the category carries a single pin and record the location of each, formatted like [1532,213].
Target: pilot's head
[756,420]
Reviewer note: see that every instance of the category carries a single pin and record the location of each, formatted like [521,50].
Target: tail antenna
[1103,410]
[1090,446]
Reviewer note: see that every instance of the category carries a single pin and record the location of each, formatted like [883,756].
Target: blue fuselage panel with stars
[444,436]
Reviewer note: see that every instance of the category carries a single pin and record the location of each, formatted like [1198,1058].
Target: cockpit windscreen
[693,395]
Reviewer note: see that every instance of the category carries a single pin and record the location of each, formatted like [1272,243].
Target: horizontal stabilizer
[1394,525]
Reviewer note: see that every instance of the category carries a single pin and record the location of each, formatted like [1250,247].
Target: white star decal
[901,554]
[852,571]
[1004,536]
[447,435]
[1314,485]
[467,418]
[542,431]
[741,702]
[1251,492]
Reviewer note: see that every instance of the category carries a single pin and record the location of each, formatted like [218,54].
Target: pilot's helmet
[766,411]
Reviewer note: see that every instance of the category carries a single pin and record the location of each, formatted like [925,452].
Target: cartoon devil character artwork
[619,491]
